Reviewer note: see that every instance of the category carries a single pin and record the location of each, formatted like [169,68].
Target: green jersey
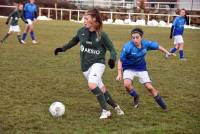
[14,16]
[92,48]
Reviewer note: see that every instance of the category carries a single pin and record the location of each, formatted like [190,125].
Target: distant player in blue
[177,30]
[30,14]
[132,63]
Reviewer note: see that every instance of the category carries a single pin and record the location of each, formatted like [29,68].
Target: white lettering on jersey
[89,42]
[89,50]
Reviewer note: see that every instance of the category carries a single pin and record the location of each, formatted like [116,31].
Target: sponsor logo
[89,50]
[89,42]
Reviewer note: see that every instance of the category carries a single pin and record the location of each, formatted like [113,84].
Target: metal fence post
[49,12]
[61,14]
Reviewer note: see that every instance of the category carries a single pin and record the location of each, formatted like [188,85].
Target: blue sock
[181,54]
[133,93]
[160,101]
[32,35]
[173,50]
[24,36]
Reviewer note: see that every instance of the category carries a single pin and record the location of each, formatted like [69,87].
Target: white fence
[77,15]
[188,5]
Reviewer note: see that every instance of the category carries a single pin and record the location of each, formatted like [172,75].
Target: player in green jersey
[93,45]
[14,27]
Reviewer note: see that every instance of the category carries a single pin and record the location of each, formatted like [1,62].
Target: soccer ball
[57,109]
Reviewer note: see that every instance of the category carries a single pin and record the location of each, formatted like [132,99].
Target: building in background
[192,5]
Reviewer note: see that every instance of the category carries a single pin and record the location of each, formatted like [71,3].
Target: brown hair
[94,13]
[178,11]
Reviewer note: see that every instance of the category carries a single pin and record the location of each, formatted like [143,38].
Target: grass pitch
[31,78]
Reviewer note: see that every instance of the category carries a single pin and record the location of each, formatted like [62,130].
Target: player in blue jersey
[177,30]
[132,63]
[30,14]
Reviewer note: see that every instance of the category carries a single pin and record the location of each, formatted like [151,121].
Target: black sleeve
[10,15]
[36,14]
[73,42]
[22,17]
[172,30]
[109,45]
[187,20]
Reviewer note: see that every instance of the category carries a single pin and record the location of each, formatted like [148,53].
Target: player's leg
[156,95]
[19,37]
[128,76]
[109,99]
[181,52]
[5,37]
[174,49]
[18,34]
[146,81]
[92,77]
[32,34]
[7,34]
[180,44]
[25,34]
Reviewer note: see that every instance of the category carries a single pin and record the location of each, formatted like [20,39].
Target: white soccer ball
[57,109]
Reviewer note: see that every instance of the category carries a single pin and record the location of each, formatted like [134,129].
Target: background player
[14,27]
[177,30]
[30,14]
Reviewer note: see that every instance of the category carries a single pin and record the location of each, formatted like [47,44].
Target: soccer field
[31,78]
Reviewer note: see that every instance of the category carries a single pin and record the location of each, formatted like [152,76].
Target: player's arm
[119,70]
[71,43]
[24,10]
[172,28]
[171,32]
[155,46]
[36,13]
[109,45]
[123,55]
[68,45]
[162,49]
[9,17]
[22,17]
[186,19]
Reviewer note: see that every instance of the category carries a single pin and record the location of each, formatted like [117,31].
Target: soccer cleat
[166,56]
[34,41]
[183,59]
[105,114]
[20,42]
[23,42]
[118,110]
[165,110]
[136,101]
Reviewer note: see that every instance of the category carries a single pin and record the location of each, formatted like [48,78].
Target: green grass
[31,78]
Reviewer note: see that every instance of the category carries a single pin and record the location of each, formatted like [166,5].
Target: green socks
[109,99]
[100,97]
[19,38]
[5,37]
